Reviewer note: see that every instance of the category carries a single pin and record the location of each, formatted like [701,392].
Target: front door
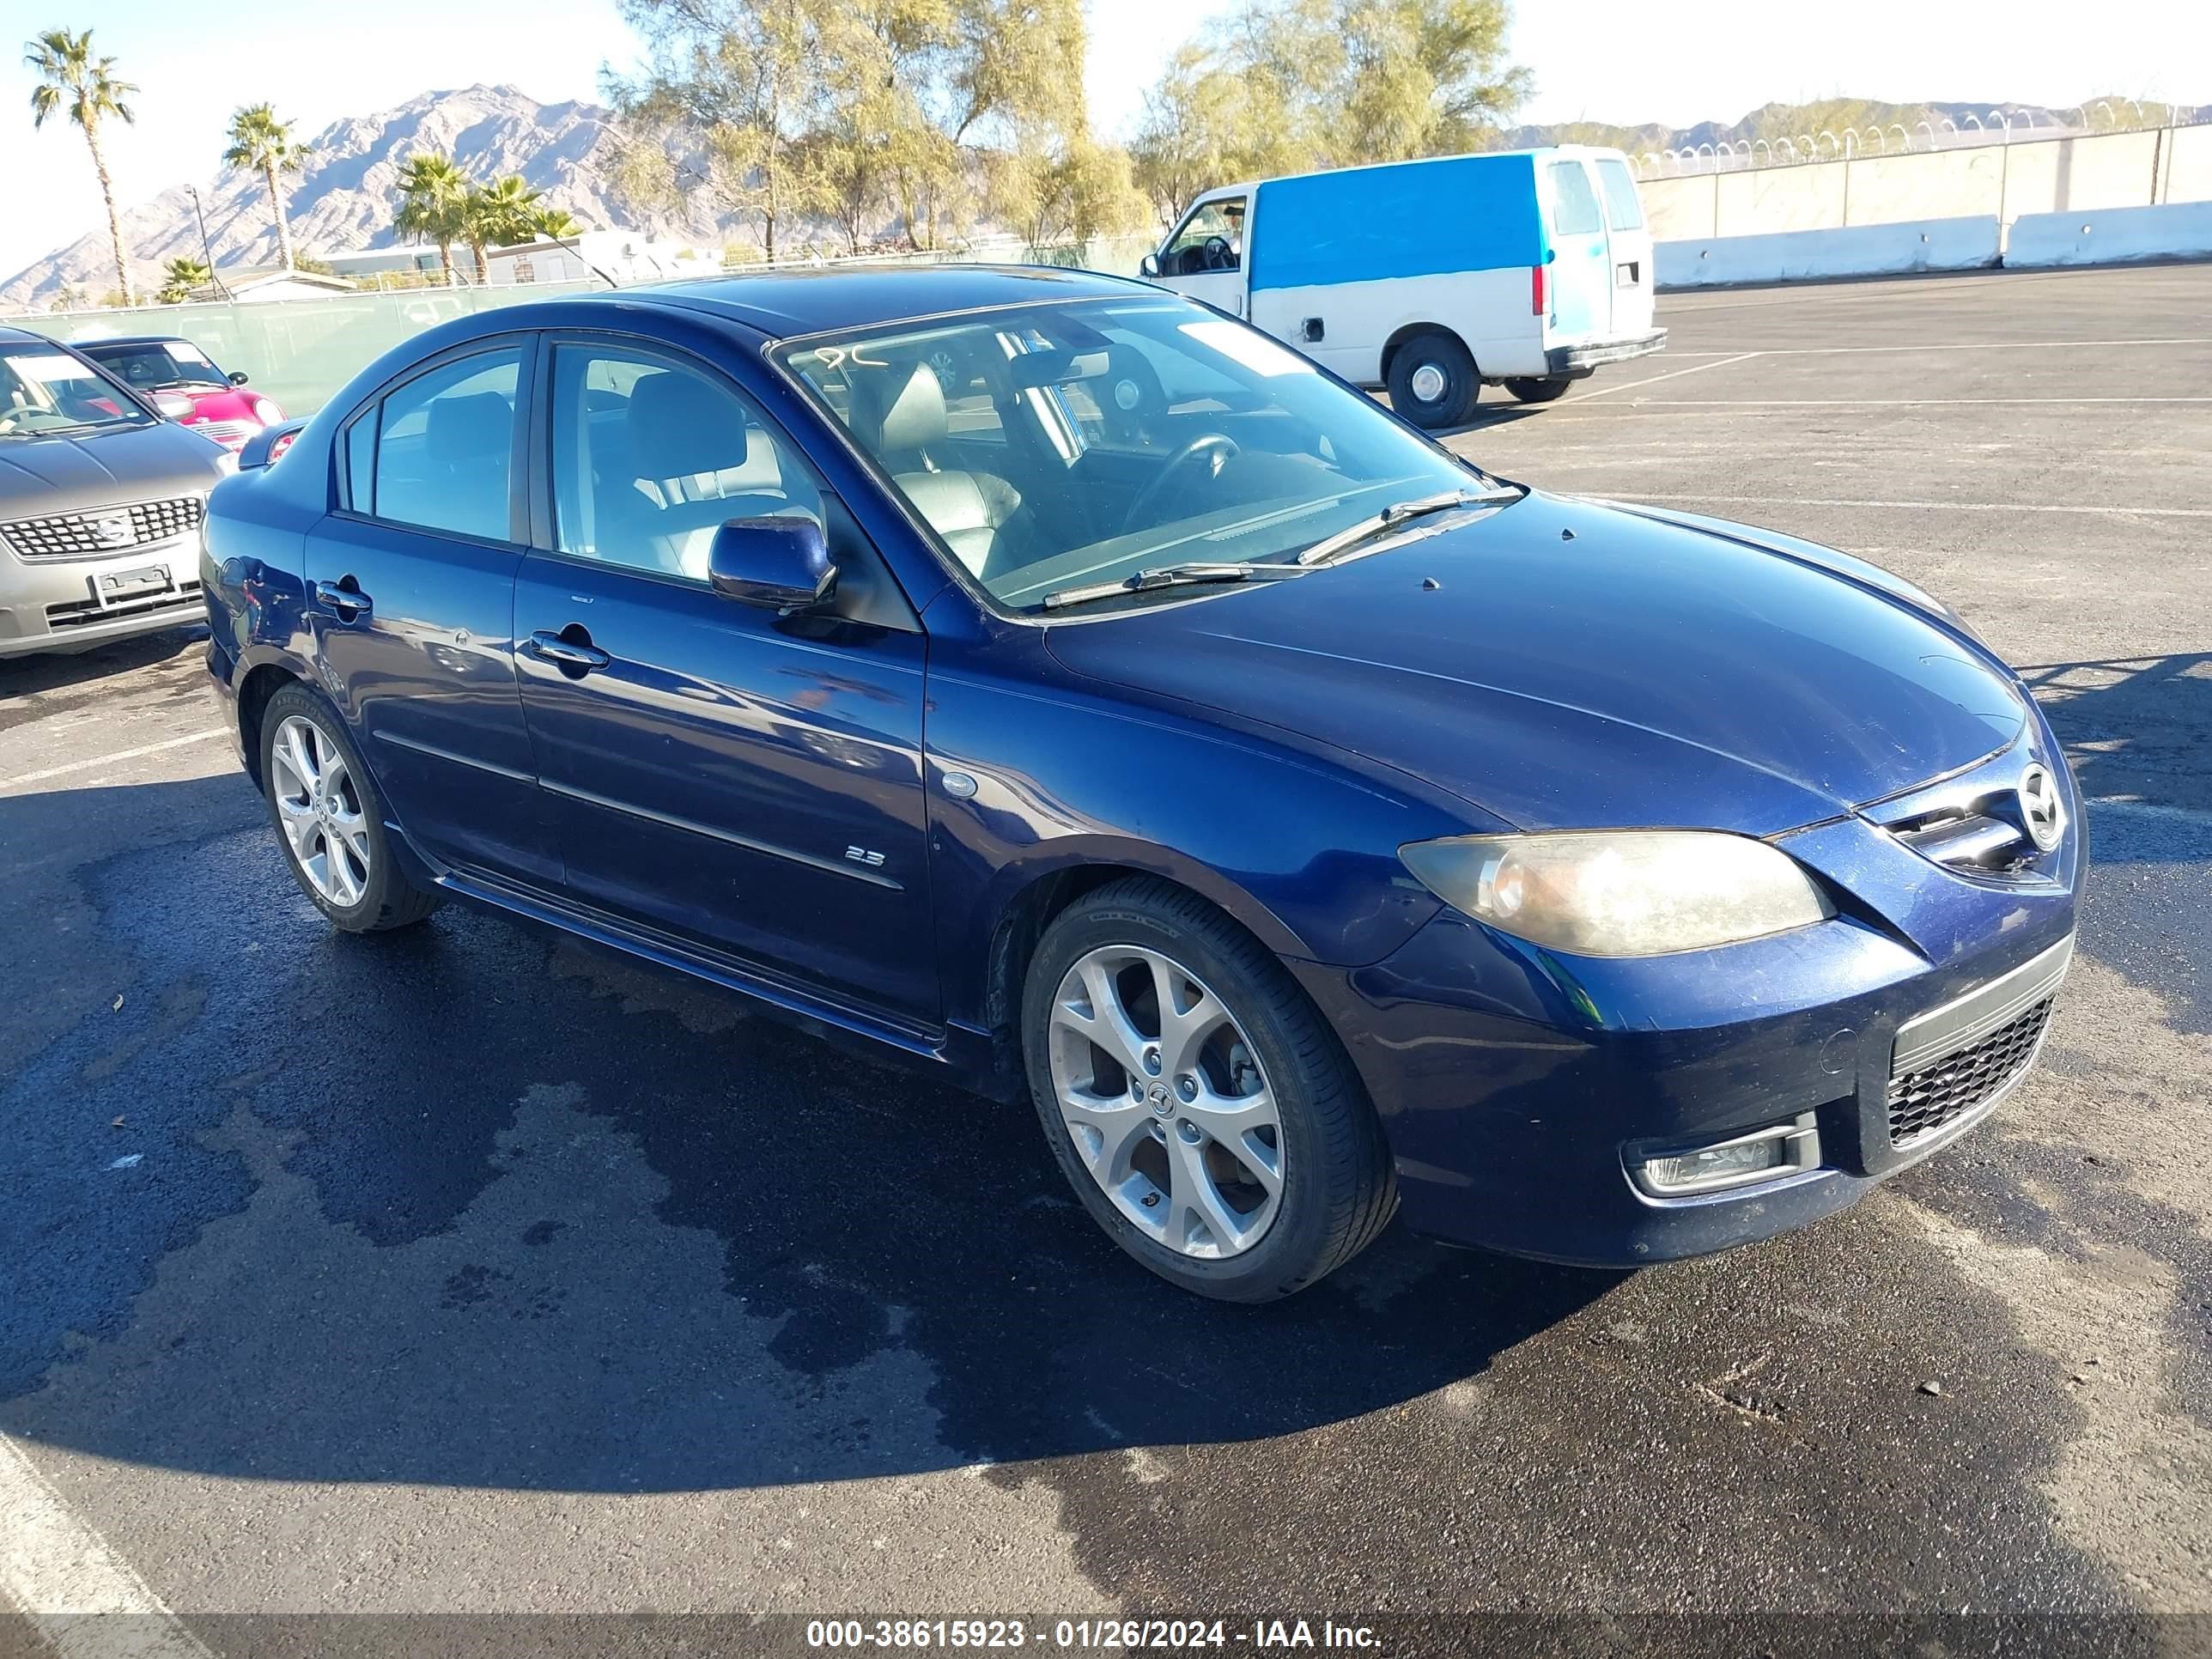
[1204,259]
[411,588]
[750,784]
[1581,275]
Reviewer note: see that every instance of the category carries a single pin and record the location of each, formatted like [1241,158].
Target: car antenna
[576,248]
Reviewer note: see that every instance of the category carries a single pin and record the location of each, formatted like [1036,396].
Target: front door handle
[344,596]
[567,653]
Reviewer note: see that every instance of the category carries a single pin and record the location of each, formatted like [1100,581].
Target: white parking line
[1936,507]
[61,1573]
[1695,369]
[1980,345]
[1863,402]
[119,755]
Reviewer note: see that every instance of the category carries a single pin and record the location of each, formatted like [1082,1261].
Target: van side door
[1205,258]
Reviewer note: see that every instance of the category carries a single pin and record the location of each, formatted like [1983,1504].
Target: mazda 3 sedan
[1061,684]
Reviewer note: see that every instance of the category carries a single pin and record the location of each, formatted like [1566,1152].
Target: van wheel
[1198,1105]
[1538,391]
[1432,381]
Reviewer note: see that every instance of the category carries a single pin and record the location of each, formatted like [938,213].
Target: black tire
[1462,385]
[388,899]
[1538,391]
[1338,1188]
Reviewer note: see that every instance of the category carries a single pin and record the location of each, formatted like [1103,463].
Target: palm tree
[71,78]
[260,141]
[434,196]
[183,278]
[555,225]
[500,215]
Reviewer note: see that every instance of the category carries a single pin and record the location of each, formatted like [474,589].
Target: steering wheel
[1175,463]
[1219,256]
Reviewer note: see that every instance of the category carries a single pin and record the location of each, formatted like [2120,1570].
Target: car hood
[1566,665]
[43,476]
[226,404]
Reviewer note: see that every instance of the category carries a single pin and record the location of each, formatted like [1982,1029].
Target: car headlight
[1620,892]
[266,410]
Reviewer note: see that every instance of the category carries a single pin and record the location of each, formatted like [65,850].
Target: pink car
[222,408]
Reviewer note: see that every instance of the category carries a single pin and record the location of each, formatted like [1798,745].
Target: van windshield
[1052,445]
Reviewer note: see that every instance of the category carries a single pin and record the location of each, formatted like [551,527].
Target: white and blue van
[1525,268]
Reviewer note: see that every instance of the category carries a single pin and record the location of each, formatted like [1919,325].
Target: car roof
[783,303]
[129,340]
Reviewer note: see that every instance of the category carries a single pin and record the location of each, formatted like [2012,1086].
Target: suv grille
[103,531]
[1944,1090]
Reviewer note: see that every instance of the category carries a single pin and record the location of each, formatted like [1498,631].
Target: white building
[624,255]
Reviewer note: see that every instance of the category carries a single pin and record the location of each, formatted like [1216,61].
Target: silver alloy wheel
[1165,1102]
[1427,383]
[319,804]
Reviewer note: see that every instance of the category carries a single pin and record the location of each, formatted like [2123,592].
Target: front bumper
[1519,1087]
[1572,361]
[72,606]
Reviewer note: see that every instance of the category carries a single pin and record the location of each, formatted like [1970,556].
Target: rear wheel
[1202,1110]
[1538,391]
[331,818]
[1432,381]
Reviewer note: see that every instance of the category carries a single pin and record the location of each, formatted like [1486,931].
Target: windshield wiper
[1397,513]
[1172,575]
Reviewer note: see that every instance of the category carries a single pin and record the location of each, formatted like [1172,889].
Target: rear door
[1580,278]
[1631,237]
[411,588]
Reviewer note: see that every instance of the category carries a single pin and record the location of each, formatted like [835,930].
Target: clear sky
[1622,60]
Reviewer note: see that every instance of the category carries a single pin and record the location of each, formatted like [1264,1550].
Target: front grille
[101,533]
[83,613]
[227,431]
[1923,1102]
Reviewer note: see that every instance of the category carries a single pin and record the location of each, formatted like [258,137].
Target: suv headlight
[1620,892]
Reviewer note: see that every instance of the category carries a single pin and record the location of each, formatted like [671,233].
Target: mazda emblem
[2040,808]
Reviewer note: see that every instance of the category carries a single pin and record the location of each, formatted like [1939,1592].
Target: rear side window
[1574,205]
[439,452]
[1622,210]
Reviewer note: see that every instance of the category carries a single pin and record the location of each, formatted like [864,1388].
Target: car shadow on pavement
[2136,730]
[49,671]
[470,1206]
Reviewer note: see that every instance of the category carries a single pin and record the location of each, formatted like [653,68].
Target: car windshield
[157,365]
[1053,448]
[45,391]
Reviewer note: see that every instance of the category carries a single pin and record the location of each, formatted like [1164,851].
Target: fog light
[1743,1160]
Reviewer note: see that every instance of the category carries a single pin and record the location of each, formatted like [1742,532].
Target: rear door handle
[568,654]
[349,601]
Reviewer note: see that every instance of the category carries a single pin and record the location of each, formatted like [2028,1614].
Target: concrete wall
[1962,244]
[2113,236]
[2046,175]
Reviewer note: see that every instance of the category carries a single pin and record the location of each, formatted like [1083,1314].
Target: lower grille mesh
[1940,1093]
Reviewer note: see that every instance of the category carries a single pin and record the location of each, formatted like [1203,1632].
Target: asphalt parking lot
[462,1271]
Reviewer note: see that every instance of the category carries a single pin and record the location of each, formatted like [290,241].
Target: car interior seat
[899,415]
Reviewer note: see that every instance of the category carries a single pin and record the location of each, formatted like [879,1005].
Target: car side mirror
[781,564]
[1149,265]
[172,405]
[265,446]
[237,377]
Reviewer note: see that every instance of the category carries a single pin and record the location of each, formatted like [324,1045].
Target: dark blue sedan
[1071,689]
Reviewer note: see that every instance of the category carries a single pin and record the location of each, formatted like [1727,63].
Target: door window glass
[444,447]
[1622,210]
[1574,205]
[651,458]
[1212,238]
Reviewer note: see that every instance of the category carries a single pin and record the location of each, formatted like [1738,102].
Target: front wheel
[1432,381]
[1200,1108]
[327,809]
[1538,391]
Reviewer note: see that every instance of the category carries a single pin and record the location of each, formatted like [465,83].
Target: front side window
[651,457]
[160,366]
[1574,205]
[45,392]
[444,449]
[1211,239]
[1622,209]
[1123,434]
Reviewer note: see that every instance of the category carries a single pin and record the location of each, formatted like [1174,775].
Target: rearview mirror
[172,405]
[781,564]
[237,377]
[1149,265]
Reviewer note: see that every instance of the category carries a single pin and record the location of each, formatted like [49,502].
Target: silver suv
[101,504]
